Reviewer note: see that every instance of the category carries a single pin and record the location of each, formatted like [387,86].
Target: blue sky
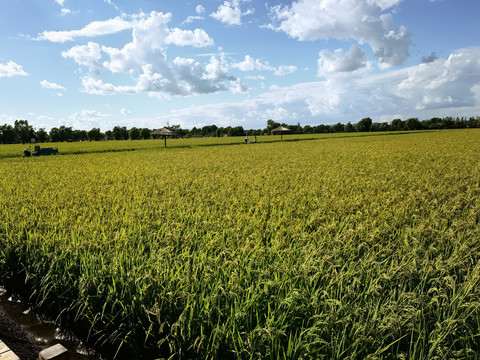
[102,63]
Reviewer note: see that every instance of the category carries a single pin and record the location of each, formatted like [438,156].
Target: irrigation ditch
[28,333]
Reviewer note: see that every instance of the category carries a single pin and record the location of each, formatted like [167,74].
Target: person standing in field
[255,140]
[246,139]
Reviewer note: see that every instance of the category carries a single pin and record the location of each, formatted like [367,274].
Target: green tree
[338,127]
[209,130]
[349,127]
[236,131]
[472,123]
[321,129]
[384,126]
[66,133]
[42,135]
[120,133]
[7,134]
[397,124]
[448,123]
[79,135]
[63,133]
[364,125]
[24,131]
[220,132]
[307,129]
[294,129]
[145,133]
[55,135]
[94,134]
[413,124]
[375,127]
[134,133]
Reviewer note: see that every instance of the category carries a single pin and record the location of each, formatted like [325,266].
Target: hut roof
[163,132]
[280,129]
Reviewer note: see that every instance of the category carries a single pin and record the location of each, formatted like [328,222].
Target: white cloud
[199,10]
[362,20]
[144,59]
[88,119]
[230,13]
[216,69]
[238,87]
[11,69]
[151,36]
[196,38]
[113,4]
[251,64]
[191,78]
[384,4]
[444,82]
[446,87]
[125,112]
[49,85]
[44,119]
[256,77]
[60,2]
[98,87]
[96,28]
[341,62]
[65,11]
[285,70]
[280,114]
[86,55]
[191,19]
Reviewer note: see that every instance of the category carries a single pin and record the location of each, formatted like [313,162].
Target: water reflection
[43,333]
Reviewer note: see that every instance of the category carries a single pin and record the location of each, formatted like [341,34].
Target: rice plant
[334,248]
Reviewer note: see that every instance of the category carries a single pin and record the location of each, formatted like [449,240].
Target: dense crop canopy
[331,248]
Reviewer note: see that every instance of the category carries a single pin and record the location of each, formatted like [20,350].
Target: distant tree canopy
[145,133]
[94,134]
[364,125]
[23,132]
[134,133]
[120,133]
[7,134]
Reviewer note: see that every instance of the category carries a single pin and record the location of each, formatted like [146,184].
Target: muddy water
[44,334]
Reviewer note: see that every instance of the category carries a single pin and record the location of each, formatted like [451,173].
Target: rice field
[339,247]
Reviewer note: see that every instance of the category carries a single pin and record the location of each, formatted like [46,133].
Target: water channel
[43,333]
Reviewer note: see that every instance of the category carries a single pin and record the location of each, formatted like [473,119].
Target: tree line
[23,132]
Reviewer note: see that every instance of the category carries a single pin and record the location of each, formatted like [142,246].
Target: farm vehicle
[40,151]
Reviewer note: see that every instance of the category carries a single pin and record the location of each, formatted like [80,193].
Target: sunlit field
[70,148]
[326,247]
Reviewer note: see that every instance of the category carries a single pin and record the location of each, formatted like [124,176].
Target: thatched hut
[163,132]
[281,130]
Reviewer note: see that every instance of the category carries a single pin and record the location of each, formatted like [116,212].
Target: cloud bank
[444,87]
[365,21]
[145,59]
